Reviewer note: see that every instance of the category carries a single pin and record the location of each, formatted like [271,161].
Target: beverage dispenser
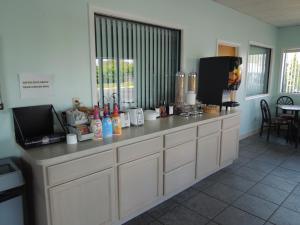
[219,79]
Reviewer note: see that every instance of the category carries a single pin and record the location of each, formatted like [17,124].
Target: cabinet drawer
[80,167]
[209,128]
[231,122]
[179,178]
[180,155]
[180,137]
[139,149]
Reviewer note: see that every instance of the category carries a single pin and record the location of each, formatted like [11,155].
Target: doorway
[227,49]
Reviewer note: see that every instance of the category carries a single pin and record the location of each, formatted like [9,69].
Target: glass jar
[179,89]
[192,82]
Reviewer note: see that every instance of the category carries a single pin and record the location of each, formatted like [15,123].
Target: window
[290,77]
[135,62]
[258,70]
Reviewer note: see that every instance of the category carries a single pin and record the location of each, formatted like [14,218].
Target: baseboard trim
[251,133]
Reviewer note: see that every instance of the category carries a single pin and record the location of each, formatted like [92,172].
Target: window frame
[271,67]
[92,10]
[283,51]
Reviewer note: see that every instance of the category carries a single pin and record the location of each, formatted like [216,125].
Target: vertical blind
[291,72]
[258,68]
[136,61]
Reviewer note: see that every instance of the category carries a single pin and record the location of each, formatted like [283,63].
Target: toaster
[136,116]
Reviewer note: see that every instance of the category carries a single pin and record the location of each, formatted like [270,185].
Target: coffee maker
[219,79]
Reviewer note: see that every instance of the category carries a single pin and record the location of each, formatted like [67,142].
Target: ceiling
[279,13]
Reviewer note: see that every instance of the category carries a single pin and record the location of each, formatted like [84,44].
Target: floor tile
[243,144]
[296,191]
[205,205]
[285,216]
[293,203]
[212,223]
[255,206]
[182,216]
[185,195]
[281,149]
[287,174]
[234,216]
[203,184]
[155,223]
[248,154]
[241,161]
[279,182]
[163,208]
[143,219]
[292,164]
[271,158]
[250,174]
[223,192]
[231,168]
[255,139]
[261,166]
[237,182]
[268,193]
[257,148]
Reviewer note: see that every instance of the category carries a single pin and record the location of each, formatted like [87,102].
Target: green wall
[43,36]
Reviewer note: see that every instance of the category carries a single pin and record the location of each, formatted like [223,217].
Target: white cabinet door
[208,153]
[229,145]
[179,179]
[139,184]
[86,201]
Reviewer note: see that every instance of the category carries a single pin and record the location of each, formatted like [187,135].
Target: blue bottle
[107,129]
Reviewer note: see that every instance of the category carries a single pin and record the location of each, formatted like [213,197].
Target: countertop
[60,152]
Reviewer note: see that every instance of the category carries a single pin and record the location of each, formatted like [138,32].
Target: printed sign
[36,86]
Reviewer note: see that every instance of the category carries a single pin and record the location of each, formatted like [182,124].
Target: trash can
[11,193]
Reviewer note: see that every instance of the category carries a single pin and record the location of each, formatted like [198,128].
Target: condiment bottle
[163,110]
[96,125]
[107,130]
[116,121]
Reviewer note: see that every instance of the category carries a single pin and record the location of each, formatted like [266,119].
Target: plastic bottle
[96,125]
[107,130]
[116,121]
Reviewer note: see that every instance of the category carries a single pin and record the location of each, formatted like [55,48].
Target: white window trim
[92,9]
[259,44]
[285,50]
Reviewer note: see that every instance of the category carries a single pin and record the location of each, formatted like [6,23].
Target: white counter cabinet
[139,184]
[208,153]
[230,140]
[109,182]
[88,200]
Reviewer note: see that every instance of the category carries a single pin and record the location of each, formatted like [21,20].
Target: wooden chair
[269,122]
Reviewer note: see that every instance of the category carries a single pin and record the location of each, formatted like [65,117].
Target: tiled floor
[261,187]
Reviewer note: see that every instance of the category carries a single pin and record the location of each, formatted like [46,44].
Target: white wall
[52,36]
